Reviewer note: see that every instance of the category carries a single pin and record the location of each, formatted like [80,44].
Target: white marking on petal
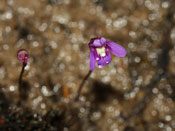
[99,66]
[101,51]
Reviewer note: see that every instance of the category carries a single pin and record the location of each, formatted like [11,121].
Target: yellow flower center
[101,51]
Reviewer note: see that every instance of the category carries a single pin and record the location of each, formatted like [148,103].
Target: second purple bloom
[100,51]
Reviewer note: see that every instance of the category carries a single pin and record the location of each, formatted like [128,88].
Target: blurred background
[134,93]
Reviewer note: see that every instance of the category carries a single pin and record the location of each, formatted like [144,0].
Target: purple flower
[100,51]
[23,56]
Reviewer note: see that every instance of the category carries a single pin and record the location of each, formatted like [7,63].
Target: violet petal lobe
[116,49]
[92,60]
[104,60]
[103,40]
[97,42]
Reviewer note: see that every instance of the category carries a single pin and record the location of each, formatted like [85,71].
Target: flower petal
[97,42]
[92,60]
[104,60]
[103,40]
[116,49]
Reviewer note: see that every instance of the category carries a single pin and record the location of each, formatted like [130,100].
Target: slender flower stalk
[100,50]
[23,57]
[82,84]
[20,77]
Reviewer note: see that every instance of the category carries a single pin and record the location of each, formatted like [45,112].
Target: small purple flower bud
[100,50]
[23,56]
